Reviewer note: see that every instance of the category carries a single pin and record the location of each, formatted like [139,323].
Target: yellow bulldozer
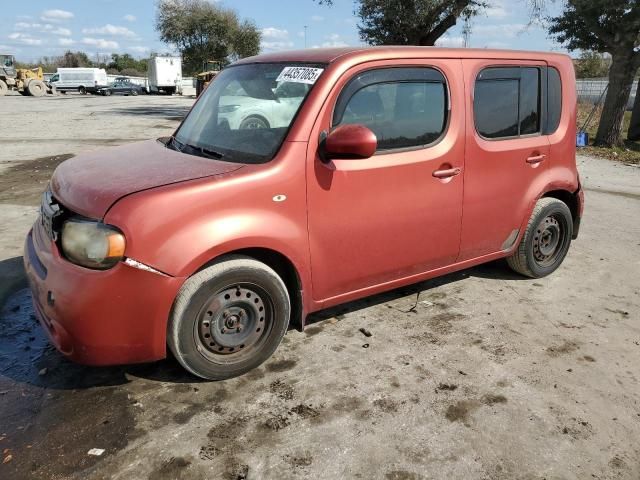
[24,80]
[210,69]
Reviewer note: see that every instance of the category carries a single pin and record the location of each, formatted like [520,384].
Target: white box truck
[83,80]
[165,75]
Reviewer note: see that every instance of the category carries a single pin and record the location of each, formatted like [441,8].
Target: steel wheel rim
[233,323]
[253,123]
[548,240]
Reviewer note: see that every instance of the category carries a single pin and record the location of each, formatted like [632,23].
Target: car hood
[91,183]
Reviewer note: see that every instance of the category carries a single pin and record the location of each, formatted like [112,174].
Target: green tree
[409,22]
[605,26]
[591,65]
[74,60]
[127,65]
[203,31]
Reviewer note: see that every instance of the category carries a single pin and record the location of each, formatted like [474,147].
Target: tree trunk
[634,125]
[620,80]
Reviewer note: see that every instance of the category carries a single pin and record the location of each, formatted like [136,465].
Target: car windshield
[246,112]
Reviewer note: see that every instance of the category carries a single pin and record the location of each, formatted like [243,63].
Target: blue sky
[49,27]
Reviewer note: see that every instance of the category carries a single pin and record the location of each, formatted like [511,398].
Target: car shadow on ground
[27,357]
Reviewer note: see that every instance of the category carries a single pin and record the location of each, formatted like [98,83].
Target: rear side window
[554,100]
[404,107]
[506,102]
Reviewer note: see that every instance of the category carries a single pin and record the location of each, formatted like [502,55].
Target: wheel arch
[283,266]
[572,201]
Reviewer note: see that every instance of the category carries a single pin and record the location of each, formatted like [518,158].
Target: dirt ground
[477,375]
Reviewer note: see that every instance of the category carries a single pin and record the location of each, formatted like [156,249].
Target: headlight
[228,108]
[92,244]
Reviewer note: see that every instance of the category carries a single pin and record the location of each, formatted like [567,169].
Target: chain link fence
[589,90]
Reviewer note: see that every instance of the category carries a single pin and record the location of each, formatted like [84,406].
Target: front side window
[404,107]
[245,113]
[507,102]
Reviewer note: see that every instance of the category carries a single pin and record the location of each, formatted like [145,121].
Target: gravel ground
[478,375]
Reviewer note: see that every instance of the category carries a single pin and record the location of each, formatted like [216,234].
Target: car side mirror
[349,141]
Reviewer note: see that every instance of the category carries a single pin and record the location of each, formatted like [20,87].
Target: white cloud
[100,43]
[26,26]
[333,40]
[496,45]
[272,33]
[450,42]
[46,28]
[24,38]
[138,49]
[496,10]
[109,29]
[65,32]
[507,30]
[65,41]
[129,18]
[56,15]
[317,18]
[275,39]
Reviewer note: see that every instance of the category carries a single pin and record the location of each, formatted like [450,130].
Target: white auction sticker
[299,75]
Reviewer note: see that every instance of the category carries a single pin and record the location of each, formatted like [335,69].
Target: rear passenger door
[396,214]
[506,152]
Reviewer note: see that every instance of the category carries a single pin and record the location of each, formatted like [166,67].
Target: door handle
[447,173]
[536,159]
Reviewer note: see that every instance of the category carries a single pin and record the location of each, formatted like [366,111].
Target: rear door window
[506,102]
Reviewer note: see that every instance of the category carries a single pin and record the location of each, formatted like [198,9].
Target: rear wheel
[228,318]
[82,90]
[3,88]
[546,240]
[134,92]
[36,88]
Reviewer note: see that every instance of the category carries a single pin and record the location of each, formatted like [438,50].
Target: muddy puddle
[53,411]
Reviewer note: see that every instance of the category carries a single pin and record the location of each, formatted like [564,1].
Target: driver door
[391,217]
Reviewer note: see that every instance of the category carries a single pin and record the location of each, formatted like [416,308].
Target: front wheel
[228,318]
[546,240]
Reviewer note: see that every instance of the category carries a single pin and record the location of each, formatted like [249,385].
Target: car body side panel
[378,219]
[498,179]
[179,228]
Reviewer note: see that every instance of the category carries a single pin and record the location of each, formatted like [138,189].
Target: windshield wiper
[174,144]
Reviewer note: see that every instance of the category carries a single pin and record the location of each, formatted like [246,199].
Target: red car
[392,165]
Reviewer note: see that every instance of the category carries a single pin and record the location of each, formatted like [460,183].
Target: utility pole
[466,32]
[305,36]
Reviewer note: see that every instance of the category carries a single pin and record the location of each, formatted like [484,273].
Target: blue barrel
[582,139]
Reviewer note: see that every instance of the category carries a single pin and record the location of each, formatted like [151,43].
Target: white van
[83,80]
[165,75]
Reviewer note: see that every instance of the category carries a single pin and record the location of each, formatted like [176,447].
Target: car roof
[330,55]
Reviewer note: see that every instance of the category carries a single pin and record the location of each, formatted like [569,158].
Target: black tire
[82,90]
[228,318]
[253,121]
[134,93]
[546,240]
[3,88]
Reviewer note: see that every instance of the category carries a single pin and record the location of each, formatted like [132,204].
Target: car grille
[50,215]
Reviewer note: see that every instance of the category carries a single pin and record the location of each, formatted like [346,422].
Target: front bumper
[93,317]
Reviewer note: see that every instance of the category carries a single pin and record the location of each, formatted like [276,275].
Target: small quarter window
[507,102]
[404,107]
[554,100]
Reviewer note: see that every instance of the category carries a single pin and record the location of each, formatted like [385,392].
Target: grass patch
[629,152]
